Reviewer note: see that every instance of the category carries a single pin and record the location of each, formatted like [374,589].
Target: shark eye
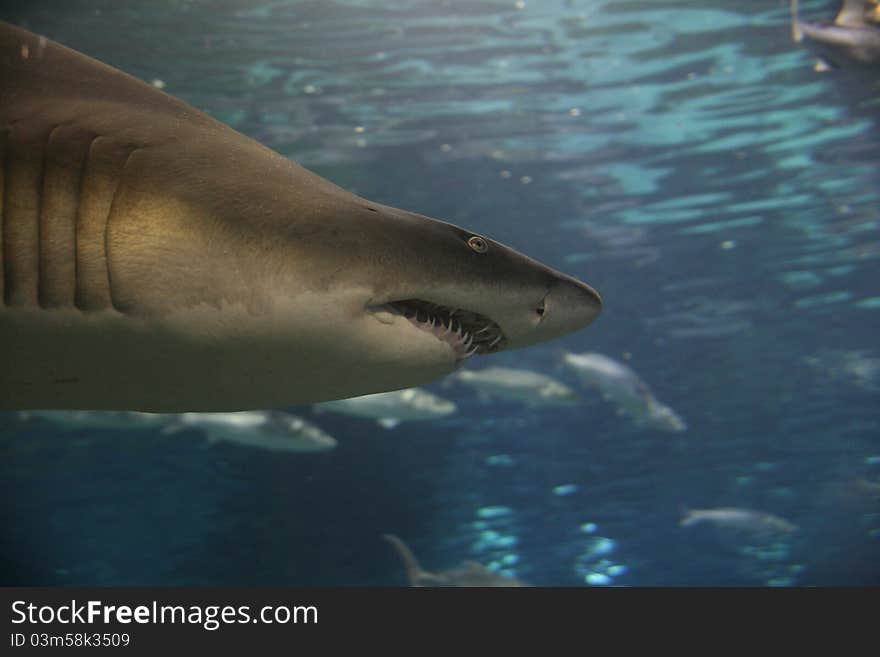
[478,244]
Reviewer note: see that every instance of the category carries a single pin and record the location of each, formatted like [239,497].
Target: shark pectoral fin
[388,422]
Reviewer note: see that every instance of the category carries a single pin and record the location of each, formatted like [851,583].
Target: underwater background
[684,158]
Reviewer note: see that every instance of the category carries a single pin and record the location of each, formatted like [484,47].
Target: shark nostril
[540,311]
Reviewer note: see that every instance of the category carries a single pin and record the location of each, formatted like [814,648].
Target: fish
[851,40]
[531,388]
[72,420]
[847,366]
[391,408]
[155,259]
[746,520]
[621,385]
[469,573]
[868,487]
[275,431]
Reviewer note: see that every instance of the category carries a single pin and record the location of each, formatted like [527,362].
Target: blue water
[684,158]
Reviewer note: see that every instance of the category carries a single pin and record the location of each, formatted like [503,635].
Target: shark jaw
[466,332]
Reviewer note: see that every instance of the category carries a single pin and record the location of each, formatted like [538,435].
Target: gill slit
[41,203]
[107,227]
[83,178]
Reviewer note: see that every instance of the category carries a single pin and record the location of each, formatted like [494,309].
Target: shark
[469,573]
[851,40]
[154,259]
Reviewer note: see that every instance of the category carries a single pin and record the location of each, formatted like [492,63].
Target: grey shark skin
[852,40]
[154,259]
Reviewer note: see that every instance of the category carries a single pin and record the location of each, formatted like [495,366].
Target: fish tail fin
[796,32]
[559,355]
[688,517]
[853,13]
[413,569]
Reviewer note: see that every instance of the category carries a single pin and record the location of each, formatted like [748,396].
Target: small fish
[470,573]
[391,408]
[270,430]
[868,487]
[621,385]
[848,366]
[526,386]
[746,520]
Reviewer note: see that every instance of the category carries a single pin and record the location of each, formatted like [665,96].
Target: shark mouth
[467,332]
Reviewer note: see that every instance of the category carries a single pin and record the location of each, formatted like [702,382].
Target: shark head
[432,294]
[442,284]
[420,296]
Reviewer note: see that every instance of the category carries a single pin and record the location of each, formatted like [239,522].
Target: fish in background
[391,408]
[270,430]
[469,573]
[850,366]
[620,385]
[526,386]
[851,40]
[868,487]
[73,420]
[743,520]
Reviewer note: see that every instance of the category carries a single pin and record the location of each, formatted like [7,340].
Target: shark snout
[569,305]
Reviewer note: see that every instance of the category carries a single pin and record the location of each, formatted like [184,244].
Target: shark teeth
[467,332]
